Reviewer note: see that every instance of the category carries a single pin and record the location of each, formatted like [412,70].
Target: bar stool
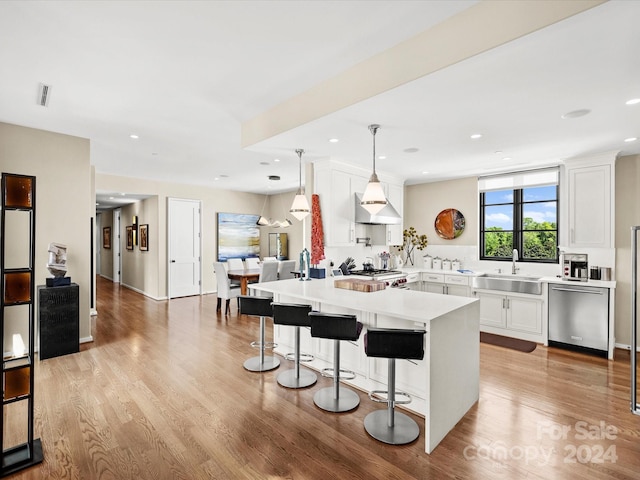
[392,427]
[336,327]
[259,307]
[296,316]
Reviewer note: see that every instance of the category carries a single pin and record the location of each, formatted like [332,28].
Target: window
[523,218]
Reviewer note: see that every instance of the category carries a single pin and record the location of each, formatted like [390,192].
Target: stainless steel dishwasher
[579,317]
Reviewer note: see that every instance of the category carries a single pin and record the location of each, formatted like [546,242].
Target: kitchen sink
[509,283]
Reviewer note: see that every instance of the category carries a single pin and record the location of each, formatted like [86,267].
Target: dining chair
[286,269]
[235,264]
[252,262]
[225,289]
[269,272]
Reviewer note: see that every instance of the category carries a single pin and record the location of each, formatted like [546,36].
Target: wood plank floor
[161,394]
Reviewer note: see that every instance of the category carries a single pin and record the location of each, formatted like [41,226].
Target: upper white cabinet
[337,184]
[589,185]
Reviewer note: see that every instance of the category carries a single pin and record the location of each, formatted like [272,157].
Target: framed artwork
[106,237]
[130,237]
[238,236]
[144,237]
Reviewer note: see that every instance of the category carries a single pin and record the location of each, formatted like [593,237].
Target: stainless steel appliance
[394,278]
[575,266]
[579,318]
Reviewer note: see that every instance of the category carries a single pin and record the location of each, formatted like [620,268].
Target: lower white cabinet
[511,315]
[446,284]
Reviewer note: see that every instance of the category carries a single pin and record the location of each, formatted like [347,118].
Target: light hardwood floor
[161,393]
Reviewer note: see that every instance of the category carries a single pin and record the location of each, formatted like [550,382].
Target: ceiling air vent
[44,91]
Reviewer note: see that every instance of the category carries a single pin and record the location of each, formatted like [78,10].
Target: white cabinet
[590,206]
[446,284]
[587,202]
[511,315]
[395,196]
[337,184]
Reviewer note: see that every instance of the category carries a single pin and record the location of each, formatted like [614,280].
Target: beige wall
[147,271]
[627,215]
[423,202]
[64,203]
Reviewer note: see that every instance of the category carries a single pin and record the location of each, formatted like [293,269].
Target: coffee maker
[575,267]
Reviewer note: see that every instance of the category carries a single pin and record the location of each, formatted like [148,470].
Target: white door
[115,244]
[184,247]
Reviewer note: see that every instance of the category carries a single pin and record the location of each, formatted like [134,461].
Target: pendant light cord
[300,151]
[373,129]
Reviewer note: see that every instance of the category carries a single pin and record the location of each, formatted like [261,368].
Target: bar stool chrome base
[261,364]
[304,379]
[404,430]
[345,400]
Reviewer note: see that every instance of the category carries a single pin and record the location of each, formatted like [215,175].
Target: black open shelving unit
[17,292]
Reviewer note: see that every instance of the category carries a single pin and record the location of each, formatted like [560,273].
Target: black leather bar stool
[390,426]
[259,307]
[336,327]
[296,316]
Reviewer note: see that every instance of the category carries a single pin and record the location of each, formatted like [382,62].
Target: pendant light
[300,206]
[373,199]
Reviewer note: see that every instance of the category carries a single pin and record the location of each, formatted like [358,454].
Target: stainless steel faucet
[515,259]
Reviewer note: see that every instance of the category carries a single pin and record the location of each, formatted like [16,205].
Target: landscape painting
[238,236]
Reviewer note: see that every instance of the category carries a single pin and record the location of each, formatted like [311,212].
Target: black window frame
[518,230]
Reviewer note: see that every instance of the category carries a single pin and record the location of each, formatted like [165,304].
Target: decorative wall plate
[449,224]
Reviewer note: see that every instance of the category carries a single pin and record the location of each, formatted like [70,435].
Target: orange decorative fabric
[317,234]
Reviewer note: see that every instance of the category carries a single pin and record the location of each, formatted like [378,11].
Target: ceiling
[188,78]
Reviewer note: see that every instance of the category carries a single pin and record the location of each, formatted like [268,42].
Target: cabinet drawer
[432,277]
[456,279]
[413,277]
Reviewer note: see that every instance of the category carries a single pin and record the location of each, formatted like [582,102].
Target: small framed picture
[106,237]
[144,237]
[129,237]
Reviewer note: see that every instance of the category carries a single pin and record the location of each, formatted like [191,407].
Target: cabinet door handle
[503,304]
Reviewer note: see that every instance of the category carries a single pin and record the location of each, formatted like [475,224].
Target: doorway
[184,259]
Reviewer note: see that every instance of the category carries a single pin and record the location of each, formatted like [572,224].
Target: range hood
[387,216]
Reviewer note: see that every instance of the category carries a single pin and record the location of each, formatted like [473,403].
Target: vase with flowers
[411,241]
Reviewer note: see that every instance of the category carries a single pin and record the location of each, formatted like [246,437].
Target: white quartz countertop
[465,273]
[410,305]
[588,283]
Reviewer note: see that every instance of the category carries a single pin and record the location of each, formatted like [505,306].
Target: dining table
[245,276]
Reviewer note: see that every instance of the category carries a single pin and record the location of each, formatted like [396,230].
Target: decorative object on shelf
[106,237]
[317,234]
[412,240]
[449,223]
[129,237]
[300,206]
[144,237]
[374,199]
[57,265]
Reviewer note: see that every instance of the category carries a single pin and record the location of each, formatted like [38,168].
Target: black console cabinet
[59,320]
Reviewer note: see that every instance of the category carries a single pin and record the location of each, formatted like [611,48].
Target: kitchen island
[444,386]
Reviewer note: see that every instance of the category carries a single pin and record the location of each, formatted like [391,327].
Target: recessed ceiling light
[264,163]
[382,157]
[276,159]
[216,178]
[475,136]
[123,194]
[411,150]
[498,152]
[154,153]
[576,113]
[224,176]
[274,177]
[111,198]
[134,136]
[334,140]
[630,139]
[506,159]
[633,101]
[425,172]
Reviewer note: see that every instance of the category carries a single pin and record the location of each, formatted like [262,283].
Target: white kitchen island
[444,386]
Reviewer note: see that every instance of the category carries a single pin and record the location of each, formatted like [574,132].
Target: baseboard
[108,278]
[88,339]
[624,346]
[137,290]
[93,312]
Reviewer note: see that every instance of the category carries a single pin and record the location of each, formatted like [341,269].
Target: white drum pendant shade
[373,199]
